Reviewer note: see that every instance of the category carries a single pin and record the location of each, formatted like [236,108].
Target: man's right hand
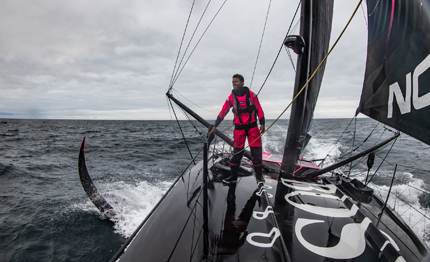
[212,131]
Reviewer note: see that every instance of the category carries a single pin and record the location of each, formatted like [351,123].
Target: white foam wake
[404,200]
[131,202]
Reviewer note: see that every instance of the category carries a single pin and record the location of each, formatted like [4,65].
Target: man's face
[237,84]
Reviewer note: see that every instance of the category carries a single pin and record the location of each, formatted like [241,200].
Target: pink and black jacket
[246,108]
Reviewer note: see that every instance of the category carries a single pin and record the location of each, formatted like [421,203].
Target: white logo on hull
[262,215]
[352,241]
[275,232]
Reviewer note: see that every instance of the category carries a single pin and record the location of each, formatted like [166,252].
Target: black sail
[315,29]
[396,89]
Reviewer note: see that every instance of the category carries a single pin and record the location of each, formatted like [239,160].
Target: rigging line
[197,125]
[186,143]
[196,244]
[198,204]
[401,193]
[310,78]
[362,159]
[199,234]
[183,229]
[280,49]
[376,154]
[179,73]
[405,182]
[383,160]
[176,145]
[338,139]
[296,25]
[197,130]
[417,222]
[410,206]
[291,58]
[364,15]
[228,128]
[180,46]
[261,42]
[380,137]
[354,134]
[364,141]
[377,150]
[405,166]
[353,141]
[128,241]
[375,7]
[192,36]
[382,222]
[177,92]
[193,212]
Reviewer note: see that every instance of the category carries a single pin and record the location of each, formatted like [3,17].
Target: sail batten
[396,89]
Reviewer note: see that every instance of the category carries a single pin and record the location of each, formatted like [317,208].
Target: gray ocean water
[45,214]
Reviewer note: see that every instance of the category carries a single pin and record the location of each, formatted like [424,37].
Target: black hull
[306,221]
[174,231]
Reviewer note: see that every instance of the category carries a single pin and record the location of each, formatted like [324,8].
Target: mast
[311,46]
[294,142]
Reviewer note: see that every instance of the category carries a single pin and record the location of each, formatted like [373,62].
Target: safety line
[307,82]
[406,202]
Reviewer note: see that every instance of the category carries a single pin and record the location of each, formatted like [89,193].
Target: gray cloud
[114,60]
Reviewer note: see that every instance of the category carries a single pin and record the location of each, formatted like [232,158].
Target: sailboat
[299,214]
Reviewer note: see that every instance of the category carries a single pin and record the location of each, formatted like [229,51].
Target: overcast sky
[112,59]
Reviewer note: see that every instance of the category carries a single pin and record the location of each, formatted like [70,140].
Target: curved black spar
[91,189]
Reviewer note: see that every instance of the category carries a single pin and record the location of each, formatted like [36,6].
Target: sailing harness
[238,111]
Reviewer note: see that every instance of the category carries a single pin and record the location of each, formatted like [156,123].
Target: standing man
[246,108]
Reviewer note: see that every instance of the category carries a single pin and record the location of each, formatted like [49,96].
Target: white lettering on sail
[404,103]
[423,101]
